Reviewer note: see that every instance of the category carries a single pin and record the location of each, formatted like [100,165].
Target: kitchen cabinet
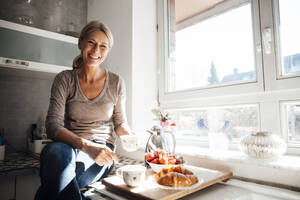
[27,186]
[61,16]
[29,48]
[19,185]
[19,176]
[6,187]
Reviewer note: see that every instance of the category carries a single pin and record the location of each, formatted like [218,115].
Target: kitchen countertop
[124,161]
[16,161]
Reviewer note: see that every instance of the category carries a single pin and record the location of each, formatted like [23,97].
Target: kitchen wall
[24,100]
[144,76]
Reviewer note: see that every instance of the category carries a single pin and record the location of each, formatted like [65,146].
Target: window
[234,121]
[291,122]
[289,31]
[239,59]
[214,51]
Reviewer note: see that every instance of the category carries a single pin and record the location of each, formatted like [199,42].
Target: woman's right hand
[101,154]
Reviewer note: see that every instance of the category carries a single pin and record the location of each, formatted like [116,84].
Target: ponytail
[77,62]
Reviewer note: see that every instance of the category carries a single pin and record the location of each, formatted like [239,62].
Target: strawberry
[155,161]
[156,154]
[149,157]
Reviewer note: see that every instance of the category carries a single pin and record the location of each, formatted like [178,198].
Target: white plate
[200,181]
[158,167]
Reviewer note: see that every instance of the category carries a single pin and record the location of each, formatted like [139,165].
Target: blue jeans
[64,170]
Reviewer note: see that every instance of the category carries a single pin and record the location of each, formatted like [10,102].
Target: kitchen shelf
[27,48]
[37,32]
[32,66]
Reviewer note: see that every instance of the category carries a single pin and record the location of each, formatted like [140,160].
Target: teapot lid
[156,129]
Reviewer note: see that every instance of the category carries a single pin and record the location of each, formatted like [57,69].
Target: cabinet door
[30,47]
[7,187]
[27,186]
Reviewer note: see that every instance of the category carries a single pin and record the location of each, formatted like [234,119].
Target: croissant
[180,170]
[177,169]
[175,179]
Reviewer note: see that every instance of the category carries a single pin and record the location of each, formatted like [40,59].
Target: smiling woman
[87,105]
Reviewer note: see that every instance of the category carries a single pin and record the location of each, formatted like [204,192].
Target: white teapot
[161,139]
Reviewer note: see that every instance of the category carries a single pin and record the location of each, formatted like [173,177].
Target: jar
[262,145]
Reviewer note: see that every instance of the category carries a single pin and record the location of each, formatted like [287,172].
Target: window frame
[284,121]
[269,10]
[225,89]
[269,90]
[276,16]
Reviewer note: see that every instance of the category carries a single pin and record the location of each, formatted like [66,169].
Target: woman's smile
[93,57]
[94,48]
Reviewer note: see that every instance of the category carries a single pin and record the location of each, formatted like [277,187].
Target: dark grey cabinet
[60,16]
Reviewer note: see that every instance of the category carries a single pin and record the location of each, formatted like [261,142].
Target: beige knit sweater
[95,119]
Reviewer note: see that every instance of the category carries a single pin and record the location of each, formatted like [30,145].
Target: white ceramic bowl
[263,145]
[158,167]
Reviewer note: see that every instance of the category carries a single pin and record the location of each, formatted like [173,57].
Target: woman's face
[94,48]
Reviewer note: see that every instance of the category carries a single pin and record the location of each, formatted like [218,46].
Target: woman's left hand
[101,154]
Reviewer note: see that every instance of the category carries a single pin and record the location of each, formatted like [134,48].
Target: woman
[87,106]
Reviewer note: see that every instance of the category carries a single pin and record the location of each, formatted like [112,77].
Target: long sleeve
[119,113]
[56,111]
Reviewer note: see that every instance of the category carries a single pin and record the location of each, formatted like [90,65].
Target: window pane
[235,122]
[292,112]
[215,51]
[289,36]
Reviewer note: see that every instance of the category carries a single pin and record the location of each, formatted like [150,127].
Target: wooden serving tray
[150,190]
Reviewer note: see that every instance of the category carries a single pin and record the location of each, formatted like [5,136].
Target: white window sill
[282,172]
[286,162]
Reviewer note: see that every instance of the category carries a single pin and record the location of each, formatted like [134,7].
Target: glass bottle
[24,13]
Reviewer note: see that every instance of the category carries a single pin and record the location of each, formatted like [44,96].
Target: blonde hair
[90,27]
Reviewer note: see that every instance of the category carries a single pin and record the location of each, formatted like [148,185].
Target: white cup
[2,152]
[132,175]
[130,142]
